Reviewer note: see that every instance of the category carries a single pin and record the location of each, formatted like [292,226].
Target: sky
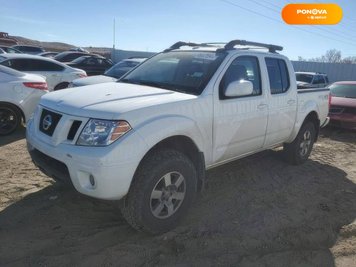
[153,25]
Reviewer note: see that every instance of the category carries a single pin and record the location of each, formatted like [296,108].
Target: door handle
[262,106]
[290,101]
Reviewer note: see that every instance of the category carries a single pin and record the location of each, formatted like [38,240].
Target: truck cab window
[278,75]
[242,68]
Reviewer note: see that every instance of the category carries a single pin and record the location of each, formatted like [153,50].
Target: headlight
[102,132]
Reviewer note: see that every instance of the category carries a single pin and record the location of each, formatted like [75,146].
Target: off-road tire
[296,152]
[136,207]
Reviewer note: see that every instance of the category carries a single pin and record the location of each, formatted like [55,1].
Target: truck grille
[49,121]
[73,130]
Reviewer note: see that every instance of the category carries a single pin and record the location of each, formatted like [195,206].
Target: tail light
[36,85]
[81,75]
[329,100]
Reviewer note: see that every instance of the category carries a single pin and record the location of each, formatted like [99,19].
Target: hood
[93,80]
[108,100]
[343,101]
[302,83]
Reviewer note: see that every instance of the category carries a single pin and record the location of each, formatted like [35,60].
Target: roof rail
[271,48]
[179,44]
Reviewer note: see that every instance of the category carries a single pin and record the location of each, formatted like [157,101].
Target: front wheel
[299,150]
[161,192]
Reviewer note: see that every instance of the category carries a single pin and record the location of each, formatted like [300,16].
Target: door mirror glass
[239,88]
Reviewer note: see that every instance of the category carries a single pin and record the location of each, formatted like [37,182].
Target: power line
[267,17]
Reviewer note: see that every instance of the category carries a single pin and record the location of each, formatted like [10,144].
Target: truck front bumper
[100,172]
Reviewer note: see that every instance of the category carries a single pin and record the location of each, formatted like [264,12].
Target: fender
[152,132]
[303,111]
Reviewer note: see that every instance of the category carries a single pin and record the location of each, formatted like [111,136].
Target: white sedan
[19,95]
[58,75]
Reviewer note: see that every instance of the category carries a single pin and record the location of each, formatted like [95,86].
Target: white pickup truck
[149,138]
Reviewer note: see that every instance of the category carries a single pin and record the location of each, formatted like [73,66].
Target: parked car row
[58,75]
[25,78]
[111,75]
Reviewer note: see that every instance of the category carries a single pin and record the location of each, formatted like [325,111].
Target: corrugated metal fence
[118,55]
[335,71]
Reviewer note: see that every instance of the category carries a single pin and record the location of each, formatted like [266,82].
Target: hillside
[59,46]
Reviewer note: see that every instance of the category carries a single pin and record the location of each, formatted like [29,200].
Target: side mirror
[239,88]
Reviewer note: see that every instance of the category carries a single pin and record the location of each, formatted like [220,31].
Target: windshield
[121,68]
[182,71]
[343,90]
[306,78]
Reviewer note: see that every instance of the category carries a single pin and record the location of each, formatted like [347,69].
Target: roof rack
[271,48]
[179,44]
[229,46]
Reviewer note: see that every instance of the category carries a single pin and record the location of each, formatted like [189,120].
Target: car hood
[343,101]
[109,100]
[93,80]
[301,83]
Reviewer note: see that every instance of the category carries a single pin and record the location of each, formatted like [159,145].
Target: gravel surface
[258,211]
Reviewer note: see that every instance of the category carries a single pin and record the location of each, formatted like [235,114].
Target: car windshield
[343,90]
[182,71]
[121,68]
[306,78]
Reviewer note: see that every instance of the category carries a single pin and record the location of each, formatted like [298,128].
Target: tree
[350,60]
[331,56]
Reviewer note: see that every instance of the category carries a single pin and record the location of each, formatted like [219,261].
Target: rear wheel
[161,192]
[61,86]
[10,119]
[299,150]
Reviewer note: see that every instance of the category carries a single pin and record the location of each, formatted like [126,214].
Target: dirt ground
[258,211]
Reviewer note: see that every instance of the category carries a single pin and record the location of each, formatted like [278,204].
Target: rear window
[29,49]
[68,57]
[11,72]
[343,90]
[278,75]
[305,78]
[32,65]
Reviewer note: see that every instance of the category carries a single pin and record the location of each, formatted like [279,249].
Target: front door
[239,122]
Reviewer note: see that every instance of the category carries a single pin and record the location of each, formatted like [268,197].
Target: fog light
[91,180]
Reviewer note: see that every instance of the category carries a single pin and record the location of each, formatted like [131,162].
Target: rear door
[239,122]
[282,100]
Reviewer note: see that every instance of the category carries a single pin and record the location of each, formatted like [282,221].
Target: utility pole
[113,46]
